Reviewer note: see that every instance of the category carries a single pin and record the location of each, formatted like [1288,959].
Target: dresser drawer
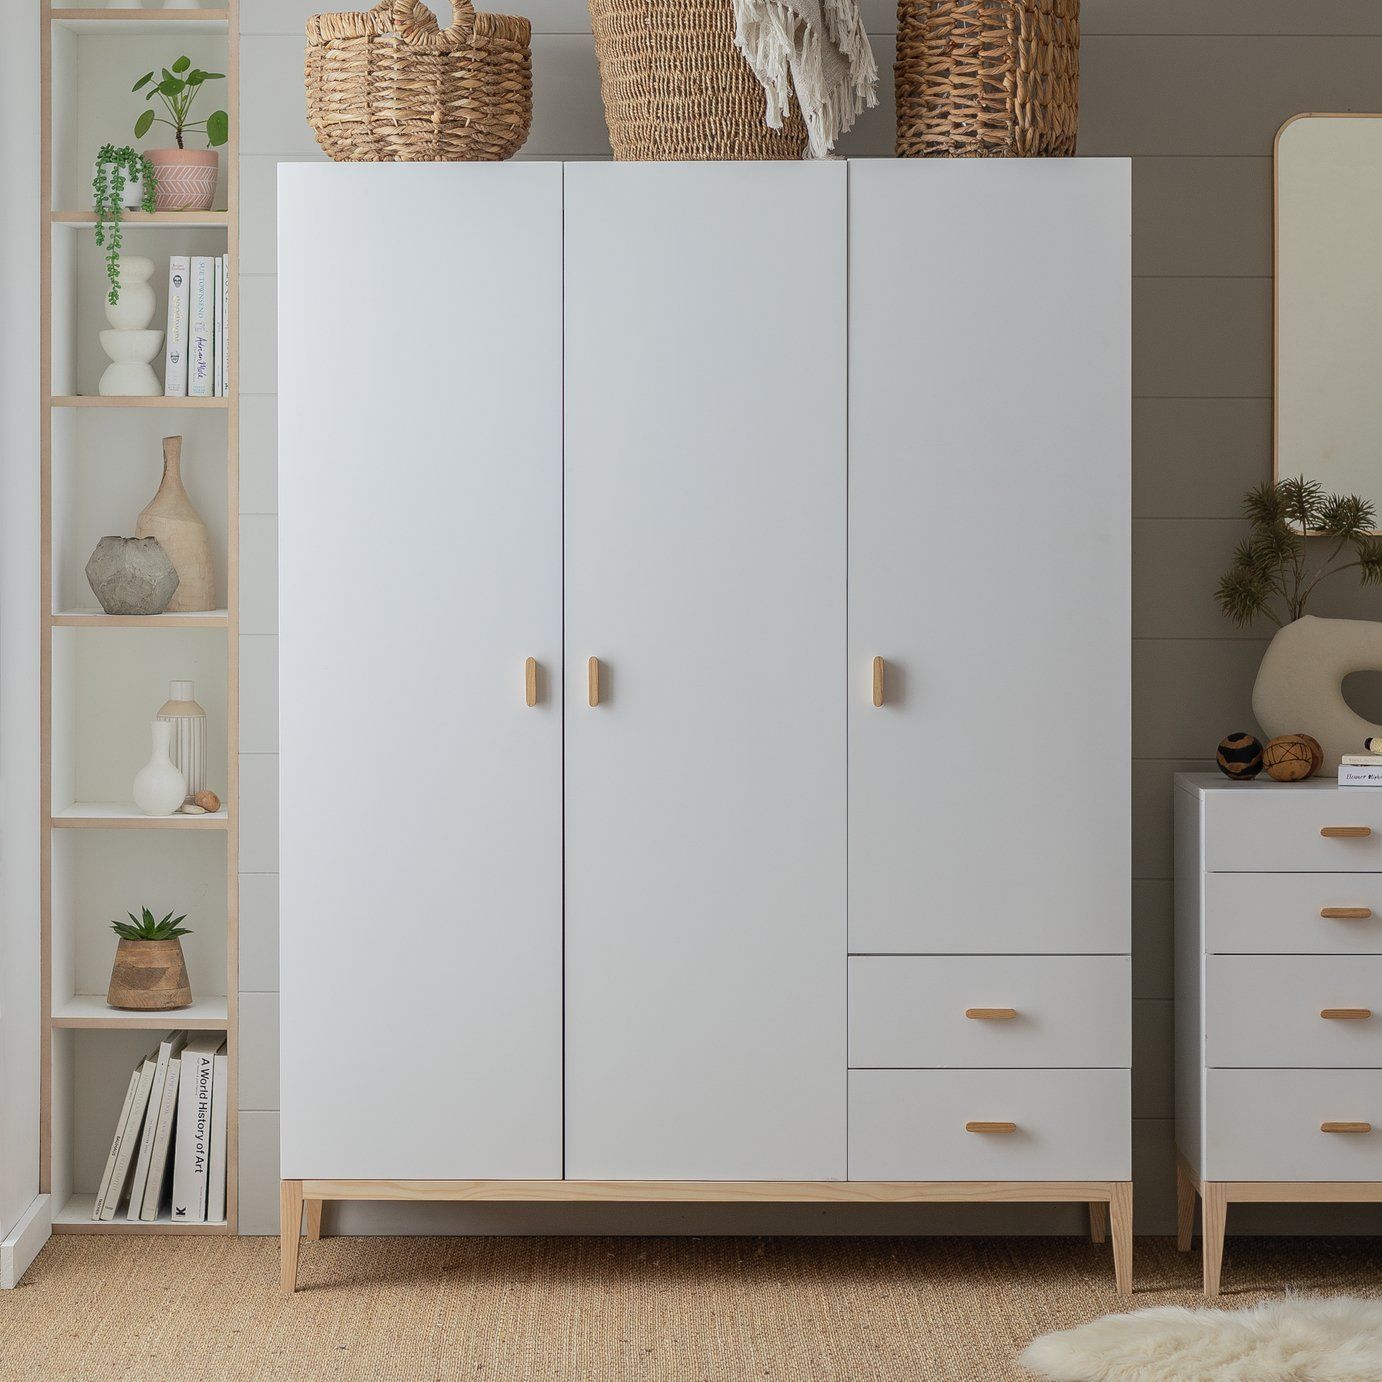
[1067,1125]
[1265,1010]
[989,1010]
[1279,828]
[1267,1125]
[1293,913]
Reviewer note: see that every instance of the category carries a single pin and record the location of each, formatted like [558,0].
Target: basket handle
[407,24]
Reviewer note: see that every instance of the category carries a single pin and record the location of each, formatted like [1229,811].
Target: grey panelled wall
[1194,91]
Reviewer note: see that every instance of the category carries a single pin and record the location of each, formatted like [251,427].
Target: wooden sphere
[1288,758]
[1239,757]
[1316,752]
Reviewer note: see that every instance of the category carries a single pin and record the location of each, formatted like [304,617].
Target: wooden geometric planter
[149,976]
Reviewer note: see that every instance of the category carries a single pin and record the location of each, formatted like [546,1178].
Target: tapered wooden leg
[1120,1223]
[289,1231]
[1185,1207]
[314,1220]
[1098,1221]
[1214,1210]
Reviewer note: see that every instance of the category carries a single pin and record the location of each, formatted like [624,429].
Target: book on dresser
[192,1139]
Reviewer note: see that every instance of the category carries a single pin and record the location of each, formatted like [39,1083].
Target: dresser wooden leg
[1185,1207]
[289,1231]
[1120,1223]
[1098,1221]
[1214,1209]
[314,1220]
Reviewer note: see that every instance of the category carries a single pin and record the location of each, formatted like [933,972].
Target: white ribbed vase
[187,744]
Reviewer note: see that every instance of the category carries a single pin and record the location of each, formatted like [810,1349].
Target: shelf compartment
[98,619]
[95,401]
[75,1217]
[89,1010]
[204,220]
[121,815]
[145,21]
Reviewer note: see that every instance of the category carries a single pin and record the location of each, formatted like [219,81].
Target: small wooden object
[149,976]
[1346,913]
[878,681]
[530,682]
[592,677]
[1346,1014]
[1345,1127]
[1288,758]
[991,1127]
[991,1014]
[1345,832]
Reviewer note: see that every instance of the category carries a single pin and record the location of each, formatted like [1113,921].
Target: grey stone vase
[131,575]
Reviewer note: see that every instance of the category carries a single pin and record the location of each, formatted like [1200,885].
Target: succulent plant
[145,928]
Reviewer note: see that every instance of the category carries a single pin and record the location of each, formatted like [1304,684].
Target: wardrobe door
[989,556]
[419,569]
[705,570]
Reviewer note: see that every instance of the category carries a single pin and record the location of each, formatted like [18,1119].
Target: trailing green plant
[116,166]
[1272,573]
[145,928]
[178,87]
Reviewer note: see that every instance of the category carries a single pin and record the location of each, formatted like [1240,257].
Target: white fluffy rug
[1298,1339]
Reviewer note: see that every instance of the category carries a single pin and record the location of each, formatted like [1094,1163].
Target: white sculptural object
[1299,688]
[128,342]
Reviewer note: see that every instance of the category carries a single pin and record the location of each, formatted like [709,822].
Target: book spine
[134,1125]
[200,348]
[115,1146]
[225,326]
[175,354]
[217,317]
[194,1129]
[163,1142]
[220,1117]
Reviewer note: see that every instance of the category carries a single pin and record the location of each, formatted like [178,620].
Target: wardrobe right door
[989,556]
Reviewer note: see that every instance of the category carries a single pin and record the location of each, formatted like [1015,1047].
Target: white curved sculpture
[128,342]
[1299,685]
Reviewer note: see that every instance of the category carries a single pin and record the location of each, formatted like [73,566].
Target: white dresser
[654,586]
[1278,997]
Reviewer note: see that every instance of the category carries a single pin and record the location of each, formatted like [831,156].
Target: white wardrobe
[704,613]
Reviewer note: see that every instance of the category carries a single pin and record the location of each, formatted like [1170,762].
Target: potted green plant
[150,973]
[124,181]
[185,178]
[1298,537]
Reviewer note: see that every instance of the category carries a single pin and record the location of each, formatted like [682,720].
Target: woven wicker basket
[675,86]
[389,86]
[987,77]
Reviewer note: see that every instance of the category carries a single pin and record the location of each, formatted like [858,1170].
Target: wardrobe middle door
[705,570]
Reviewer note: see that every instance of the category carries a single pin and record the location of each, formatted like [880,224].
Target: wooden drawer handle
[530,681]
[1346,1014]
[1346,913]
[991,1127]
[878,681]
[592,680]
[1345,1127]
[1346,832]
[991,1014]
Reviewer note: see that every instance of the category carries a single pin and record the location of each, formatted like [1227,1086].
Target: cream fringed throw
[817,49]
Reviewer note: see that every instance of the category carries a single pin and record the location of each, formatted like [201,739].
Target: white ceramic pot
[159,788]
[134,190]
[1299,687]
[135,310]
[130,373]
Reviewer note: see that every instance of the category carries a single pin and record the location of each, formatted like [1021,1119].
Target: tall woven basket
[675,87]
[389,86]
[997,78]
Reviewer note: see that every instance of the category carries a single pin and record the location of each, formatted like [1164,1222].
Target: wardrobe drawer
[1293,913]
[1065,1125]
[989,1010]
[1293,1010]
[1281,828]
[1269,1125]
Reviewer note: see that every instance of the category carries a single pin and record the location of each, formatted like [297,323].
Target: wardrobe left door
[420,752]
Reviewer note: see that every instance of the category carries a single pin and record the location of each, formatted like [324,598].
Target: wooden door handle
[1346,1014]
[991,1127]
[991,1014]
[530,681]
[878,681]
[1346,832]
[1346,913]
[1345,1127]
[592,680]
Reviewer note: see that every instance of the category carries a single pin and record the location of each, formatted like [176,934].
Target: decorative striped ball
[1239,756]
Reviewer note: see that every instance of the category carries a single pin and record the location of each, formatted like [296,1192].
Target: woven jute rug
[701,1309]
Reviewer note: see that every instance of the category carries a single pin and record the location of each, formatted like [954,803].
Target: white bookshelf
[104,676]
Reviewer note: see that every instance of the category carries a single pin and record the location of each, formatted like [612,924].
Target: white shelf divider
[87,1010]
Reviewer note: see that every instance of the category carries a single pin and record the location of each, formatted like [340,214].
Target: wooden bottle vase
[181,533]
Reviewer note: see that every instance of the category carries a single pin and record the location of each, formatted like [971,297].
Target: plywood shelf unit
[104,676]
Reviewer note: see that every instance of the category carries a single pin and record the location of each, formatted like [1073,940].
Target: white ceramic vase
[159,787]
[130,345]
[1299,687]
[187,742]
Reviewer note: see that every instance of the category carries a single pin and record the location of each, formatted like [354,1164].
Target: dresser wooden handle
[1346,913]
[1346,1014]
[592,679]
[991,1014]
[878,681]
[1345,1127]
[530,681]
[991,1127]
[1346,832]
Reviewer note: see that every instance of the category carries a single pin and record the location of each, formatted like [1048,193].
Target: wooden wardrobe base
[1110,1201]
[1217,1195]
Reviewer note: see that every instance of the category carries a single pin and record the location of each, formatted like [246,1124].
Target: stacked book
[169,1148]
[197,361]
[1360,770]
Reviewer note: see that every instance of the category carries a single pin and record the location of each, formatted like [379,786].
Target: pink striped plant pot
[184,179]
